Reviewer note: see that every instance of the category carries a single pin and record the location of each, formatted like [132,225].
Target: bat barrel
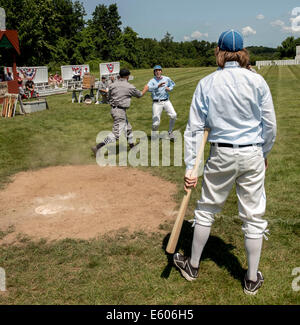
[173,240]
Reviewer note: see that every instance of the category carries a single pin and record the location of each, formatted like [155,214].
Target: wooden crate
[88,81]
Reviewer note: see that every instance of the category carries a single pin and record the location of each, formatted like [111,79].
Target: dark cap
[124,73]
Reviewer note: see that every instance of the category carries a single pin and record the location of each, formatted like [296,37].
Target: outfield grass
[133,268]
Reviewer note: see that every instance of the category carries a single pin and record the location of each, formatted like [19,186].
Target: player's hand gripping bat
[185,201]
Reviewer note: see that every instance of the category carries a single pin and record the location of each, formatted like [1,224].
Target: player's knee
[155,124]
[204,218]
[255,228]
[173,116]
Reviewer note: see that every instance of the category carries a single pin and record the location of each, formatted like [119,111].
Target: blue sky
[263,22]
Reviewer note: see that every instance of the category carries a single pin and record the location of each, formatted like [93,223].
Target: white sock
[201,234]
[253,250]
[171,125]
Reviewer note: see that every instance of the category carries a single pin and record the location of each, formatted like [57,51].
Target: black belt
[119,107]
[231,145]
[160,100]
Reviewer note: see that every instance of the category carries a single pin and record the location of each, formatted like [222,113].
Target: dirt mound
[83,202]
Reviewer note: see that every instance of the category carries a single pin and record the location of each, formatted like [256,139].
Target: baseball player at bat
[160,86]
[236,104]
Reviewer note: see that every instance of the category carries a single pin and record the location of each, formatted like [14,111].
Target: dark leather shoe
[94,149]
[132,145]
[97,147]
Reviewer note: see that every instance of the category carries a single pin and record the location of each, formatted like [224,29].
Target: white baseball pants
[157,109]
[225,167]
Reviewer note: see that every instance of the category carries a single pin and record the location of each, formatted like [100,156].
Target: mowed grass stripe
[264,71]
[285,73]
[177,75]
[295,70]
[285,166]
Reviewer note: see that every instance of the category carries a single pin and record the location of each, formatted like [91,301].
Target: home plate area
[84,202]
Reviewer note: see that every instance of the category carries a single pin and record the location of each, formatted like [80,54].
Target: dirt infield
[83,202]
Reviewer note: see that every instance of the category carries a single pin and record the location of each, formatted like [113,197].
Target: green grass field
[133,268]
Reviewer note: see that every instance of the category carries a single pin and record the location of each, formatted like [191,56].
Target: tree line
[55,33]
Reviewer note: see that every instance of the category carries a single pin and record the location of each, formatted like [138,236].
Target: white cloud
[247,31]
[196,35]
[260,17]
[294,20]
[277,23]
[295,11]
[295,24]
[294,27]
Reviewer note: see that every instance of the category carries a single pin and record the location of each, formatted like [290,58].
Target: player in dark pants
[119,96]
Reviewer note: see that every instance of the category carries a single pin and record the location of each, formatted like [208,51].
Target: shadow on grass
[215,249]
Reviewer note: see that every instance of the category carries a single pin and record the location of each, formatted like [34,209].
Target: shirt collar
[232,64]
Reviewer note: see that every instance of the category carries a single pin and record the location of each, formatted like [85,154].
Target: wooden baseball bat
[3,108]
[11,103]
[173,240]
[5,105]
[8,106]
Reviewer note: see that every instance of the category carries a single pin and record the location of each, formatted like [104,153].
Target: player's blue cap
[157,67]
[231,41]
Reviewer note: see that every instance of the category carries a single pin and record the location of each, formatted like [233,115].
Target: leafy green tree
[288,47]
[54,32]
[105,28]
[127,49]
[44,27]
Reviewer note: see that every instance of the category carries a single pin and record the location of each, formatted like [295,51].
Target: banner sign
[110,68]
[79,70]
[68,71]
[27,73]
[36,74]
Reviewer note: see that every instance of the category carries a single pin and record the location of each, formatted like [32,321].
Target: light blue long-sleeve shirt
[236,104]
[159,93]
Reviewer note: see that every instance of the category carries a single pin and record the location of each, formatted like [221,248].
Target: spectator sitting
[8,77]
[29,86]
[51,80]
[2,77]
[111,79]
[58,79]
[20,85]
[103,90]
[76,75]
